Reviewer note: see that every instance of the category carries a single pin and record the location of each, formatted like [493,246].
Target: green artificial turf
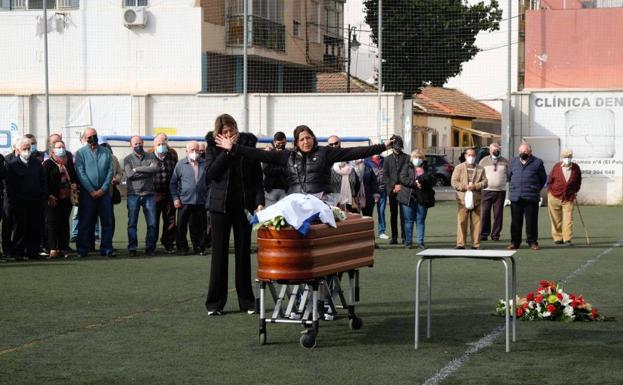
[143,320]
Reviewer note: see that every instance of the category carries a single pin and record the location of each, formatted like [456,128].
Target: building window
[314,27]
[266,28]
[135,3]
[296,28]
[38,4]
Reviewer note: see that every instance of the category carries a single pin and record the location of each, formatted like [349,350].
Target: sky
[483,78]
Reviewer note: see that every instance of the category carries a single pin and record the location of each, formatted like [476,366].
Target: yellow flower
[552,299]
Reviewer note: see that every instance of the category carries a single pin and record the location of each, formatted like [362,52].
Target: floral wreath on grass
[279,221]
[551,303]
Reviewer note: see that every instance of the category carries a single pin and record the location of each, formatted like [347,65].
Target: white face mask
[25,154]
[470,159]
[417,162]
[193,156]
[566,161]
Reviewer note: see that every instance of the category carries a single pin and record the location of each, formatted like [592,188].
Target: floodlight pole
[379,82]
[45,54]
[509,117]
[245,68]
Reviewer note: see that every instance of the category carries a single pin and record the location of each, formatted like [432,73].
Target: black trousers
[57,219]
[195,217]
[394,210]
[27,235]
[222,224]
[166,210]
[492,200]
[530,211]
[7,227]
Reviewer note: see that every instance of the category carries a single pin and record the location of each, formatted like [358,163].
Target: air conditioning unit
[135,17]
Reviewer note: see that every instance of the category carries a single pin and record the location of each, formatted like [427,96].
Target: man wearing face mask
[189,190]
[468,176]
[494,195]
[526,176]
[140,168]
[94,168]
[27,193]
[166,159]
[563,184]
[275,182]
[392,165]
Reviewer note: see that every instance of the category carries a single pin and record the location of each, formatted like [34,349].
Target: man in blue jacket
[526,175]
[94,169]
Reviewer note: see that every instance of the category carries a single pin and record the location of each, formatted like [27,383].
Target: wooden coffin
[287,255]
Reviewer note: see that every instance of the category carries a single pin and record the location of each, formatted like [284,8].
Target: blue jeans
[148,202]
[380,212]
[414,213]
[89,210]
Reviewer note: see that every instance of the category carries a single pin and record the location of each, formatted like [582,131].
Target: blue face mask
[161,149]
[33,148]
[59,152]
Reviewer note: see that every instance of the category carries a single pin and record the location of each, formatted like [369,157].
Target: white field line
[487,340]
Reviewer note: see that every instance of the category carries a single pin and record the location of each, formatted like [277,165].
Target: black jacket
[53,175]
[26,183]
[218,169]
[392,164]
[274,176]
[309,173]
[424,196]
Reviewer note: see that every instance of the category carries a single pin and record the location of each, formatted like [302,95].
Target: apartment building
[169,46]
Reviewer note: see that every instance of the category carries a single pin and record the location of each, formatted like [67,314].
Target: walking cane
[588,241]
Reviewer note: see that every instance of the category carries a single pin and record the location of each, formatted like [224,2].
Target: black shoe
[150,252]
[169,250]
[460,247]
[199,252]
[568,243]
[495,239]
[111,254]
[408,246]
[558,242]
[183,251]
[421,246]
[475,247]
[132,253]
[214,312]
[79,256]
[393,241]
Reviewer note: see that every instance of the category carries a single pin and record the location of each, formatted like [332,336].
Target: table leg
[428,300]
[508,304]
[417,302]
[514,293]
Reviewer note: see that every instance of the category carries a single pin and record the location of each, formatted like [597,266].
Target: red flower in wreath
[551,308]
[594,313]
[530,297]
[519,312]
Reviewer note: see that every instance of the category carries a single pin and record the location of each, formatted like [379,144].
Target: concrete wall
[589,123]
[194,115]
[91,51]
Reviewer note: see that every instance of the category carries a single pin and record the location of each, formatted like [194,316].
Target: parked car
[441,168]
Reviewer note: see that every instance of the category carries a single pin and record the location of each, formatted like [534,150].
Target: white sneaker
[383,236]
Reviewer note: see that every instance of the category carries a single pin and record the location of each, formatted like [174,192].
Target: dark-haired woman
[61,180]
[308,166]
[235,184]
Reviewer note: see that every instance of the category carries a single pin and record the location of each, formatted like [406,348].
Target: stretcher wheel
[262,338]
[355,323]
[308,339]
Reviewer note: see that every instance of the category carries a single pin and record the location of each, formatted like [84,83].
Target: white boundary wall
[588,122]
[194,115]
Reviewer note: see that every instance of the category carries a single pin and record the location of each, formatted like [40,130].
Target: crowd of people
[211,191]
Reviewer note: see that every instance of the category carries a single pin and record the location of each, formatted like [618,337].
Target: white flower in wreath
[568,311]
[546,314]
[565,299]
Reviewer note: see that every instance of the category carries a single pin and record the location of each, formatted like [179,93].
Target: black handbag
[116,195]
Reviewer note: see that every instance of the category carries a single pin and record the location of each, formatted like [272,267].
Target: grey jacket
[183,185]
[139,173]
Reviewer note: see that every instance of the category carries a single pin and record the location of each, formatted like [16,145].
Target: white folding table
[510,285]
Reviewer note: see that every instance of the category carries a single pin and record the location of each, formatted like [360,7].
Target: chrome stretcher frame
[510,285]
[307,302]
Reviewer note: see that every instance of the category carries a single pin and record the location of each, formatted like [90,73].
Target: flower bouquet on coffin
[551,302]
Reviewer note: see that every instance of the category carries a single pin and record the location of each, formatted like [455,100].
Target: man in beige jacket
[468,176]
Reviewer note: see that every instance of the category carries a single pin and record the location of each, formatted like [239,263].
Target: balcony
[262,33]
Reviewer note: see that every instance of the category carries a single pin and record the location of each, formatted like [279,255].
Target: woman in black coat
[61,180]
[234,185]
[416,196]
[308,166]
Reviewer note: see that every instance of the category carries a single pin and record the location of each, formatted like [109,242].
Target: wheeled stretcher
[304,274]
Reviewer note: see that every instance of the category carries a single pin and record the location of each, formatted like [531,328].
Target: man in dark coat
[391,170]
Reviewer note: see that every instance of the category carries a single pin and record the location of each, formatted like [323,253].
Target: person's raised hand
[389,144]
[224,142]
